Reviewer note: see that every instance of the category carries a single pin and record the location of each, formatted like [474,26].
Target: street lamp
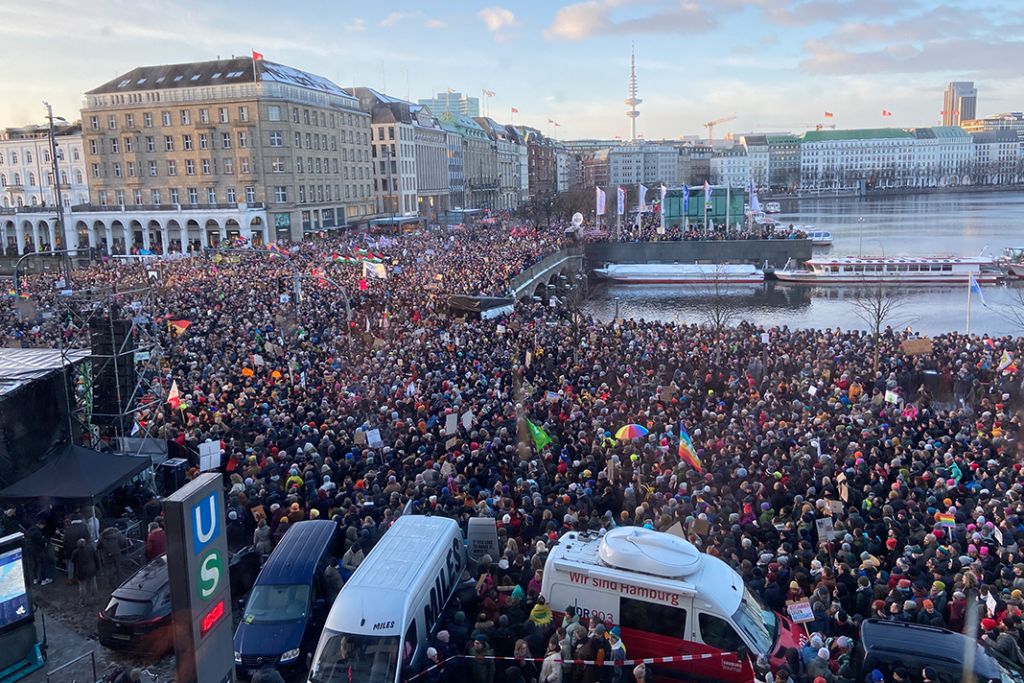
[59,198]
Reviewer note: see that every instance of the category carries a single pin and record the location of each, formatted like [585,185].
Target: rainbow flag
[686,450]
[947,520]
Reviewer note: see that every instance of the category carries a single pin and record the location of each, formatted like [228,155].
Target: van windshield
[346,657]
[276,604]
[756,622]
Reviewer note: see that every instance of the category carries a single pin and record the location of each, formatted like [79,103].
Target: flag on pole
[540,437]
[886,113]
[514,110]
[450,91]
[687,453]
[622,200]
[550,121]
[179,326]
[707,195]
[828,115]
[686,199]
[755,204]
[600,201]
[947,519]
[374,270]
[257,56]
[643,198]
[976,289]
[664,191]
[173,396]
[1006,361]
[488,93]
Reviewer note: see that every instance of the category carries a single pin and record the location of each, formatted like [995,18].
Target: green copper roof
[858,134]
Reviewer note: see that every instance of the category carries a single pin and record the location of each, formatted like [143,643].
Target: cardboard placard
[676,530]
[800,612]
[529,358]
[825,529]
[451,424]
[259,513]
[378,343]
[373,438]
[916,347]
[451,443]
[699,527]
[467,420]
[836,506]
[359,437]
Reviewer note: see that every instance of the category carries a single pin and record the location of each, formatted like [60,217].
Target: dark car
[138,616]
[288,606]
[890,644]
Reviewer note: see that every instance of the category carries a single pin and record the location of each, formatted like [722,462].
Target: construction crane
[710,125]
[780,126]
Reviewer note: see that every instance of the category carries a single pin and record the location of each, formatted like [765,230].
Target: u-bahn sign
[197,551]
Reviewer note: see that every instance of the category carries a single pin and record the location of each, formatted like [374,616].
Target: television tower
[633,100]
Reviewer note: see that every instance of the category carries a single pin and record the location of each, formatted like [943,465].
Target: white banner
[600,201]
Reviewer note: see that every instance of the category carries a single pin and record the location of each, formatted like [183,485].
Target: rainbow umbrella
[631,432]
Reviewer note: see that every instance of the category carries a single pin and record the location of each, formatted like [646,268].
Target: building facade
[480,159]
[998,158]
[959,103]
[456,170]
[506,146]
[730,166]
[784,171]
[229,134]
[26,167]
[643,163]
[455,102]
[757,158]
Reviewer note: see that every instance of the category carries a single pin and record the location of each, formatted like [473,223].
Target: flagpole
[728,190]
[969,304]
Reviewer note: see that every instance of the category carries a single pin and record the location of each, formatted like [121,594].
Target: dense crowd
[293,392]
[648,229]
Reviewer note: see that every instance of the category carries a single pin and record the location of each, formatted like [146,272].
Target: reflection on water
[961,225]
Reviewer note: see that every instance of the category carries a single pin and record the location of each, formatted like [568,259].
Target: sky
[774,64]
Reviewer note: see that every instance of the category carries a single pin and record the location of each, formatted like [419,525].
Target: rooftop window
[195,78]
[160,80]
[140,81]
[177,78]
[216,75]
[123,83]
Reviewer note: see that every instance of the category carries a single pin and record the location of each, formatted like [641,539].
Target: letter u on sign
[205,522]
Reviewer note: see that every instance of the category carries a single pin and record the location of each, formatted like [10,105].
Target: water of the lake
[953,224]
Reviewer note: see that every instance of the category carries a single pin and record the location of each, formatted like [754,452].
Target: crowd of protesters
[648,229]
[293,390]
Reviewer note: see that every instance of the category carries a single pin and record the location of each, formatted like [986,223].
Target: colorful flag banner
[664,191]
[707,196]
[173,396]
[976,289]
[686,199]
[622,200]
[600,201]
[755,204]
[686,450]
[643,198]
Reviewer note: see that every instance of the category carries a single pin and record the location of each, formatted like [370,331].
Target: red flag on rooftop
[828,115]
[886,113]
[257,56]
[514,110]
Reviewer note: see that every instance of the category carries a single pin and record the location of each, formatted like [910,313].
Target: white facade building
[832,159]
[943,156]
[757,158]
[730,166]
[26,167]
[563,161]
[632,164]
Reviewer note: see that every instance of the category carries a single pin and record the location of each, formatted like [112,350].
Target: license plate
[121,636]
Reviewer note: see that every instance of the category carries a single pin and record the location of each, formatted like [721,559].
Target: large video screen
[13,594]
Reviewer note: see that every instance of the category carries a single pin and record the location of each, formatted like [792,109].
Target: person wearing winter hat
[818,666]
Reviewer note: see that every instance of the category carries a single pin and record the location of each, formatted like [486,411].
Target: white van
[668,599]
[385,615]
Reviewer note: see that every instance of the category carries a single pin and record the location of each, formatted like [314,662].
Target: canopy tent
[77,474]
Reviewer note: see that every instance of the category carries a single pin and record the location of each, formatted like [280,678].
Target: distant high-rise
[633,100]
[959,103]
[454,102]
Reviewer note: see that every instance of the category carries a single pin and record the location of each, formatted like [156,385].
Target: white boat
[681,273]
[818,238]
[853,270]
[1012,261]
[772,207]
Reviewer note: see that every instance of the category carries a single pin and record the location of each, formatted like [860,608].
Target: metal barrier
[91,654]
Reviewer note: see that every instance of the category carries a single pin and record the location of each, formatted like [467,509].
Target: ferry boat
[898,270]
[681,273]
[772,207]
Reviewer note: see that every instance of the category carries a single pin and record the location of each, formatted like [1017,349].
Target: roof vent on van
[650,552]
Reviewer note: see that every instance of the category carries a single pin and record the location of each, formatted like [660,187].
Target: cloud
[395,17]
[786,13]
[435,23]
[990,58]
[497,18]
[355,25]
[591,18]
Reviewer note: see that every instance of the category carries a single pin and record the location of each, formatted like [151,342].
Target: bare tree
[716,304]
[878,305]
